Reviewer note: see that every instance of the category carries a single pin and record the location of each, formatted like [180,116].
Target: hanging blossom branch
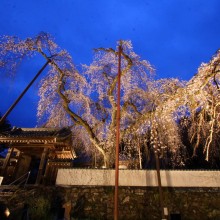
[112,86]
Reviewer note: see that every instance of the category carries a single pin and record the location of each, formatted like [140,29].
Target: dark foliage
[4,127]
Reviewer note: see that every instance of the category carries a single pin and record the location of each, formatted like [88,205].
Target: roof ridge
[40,129]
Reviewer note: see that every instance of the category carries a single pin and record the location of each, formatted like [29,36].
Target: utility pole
[117,135]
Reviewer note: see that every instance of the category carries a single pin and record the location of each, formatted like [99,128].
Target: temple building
[38,152]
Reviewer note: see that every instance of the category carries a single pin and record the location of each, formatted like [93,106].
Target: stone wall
[189,194]
[89,195]
[97,203]
[143,202]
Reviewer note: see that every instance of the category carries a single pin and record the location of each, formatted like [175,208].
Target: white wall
[169,178]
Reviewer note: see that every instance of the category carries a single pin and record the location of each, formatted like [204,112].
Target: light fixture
[7,212]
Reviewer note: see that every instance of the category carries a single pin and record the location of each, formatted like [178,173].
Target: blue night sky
[176,36]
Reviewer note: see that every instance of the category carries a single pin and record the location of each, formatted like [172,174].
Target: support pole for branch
[163,209]
[117,136]
[22,94]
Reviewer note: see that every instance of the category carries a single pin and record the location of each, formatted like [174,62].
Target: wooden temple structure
[39,151]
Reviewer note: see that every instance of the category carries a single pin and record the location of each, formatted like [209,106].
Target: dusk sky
[176,36]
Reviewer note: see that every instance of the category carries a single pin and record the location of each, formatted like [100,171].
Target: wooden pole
[22,94]
[7,160]
[160,186]
[139,153]
[117,136]
[42,165]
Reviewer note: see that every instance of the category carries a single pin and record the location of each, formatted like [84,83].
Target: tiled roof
[54,138]
[36,133]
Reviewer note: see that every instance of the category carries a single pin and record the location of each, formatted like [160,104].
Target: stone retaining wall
[97,203]
[137,203]
[189,194]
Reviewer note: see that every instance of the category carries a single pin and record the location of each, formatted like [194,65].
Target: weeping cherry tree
[85,99]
